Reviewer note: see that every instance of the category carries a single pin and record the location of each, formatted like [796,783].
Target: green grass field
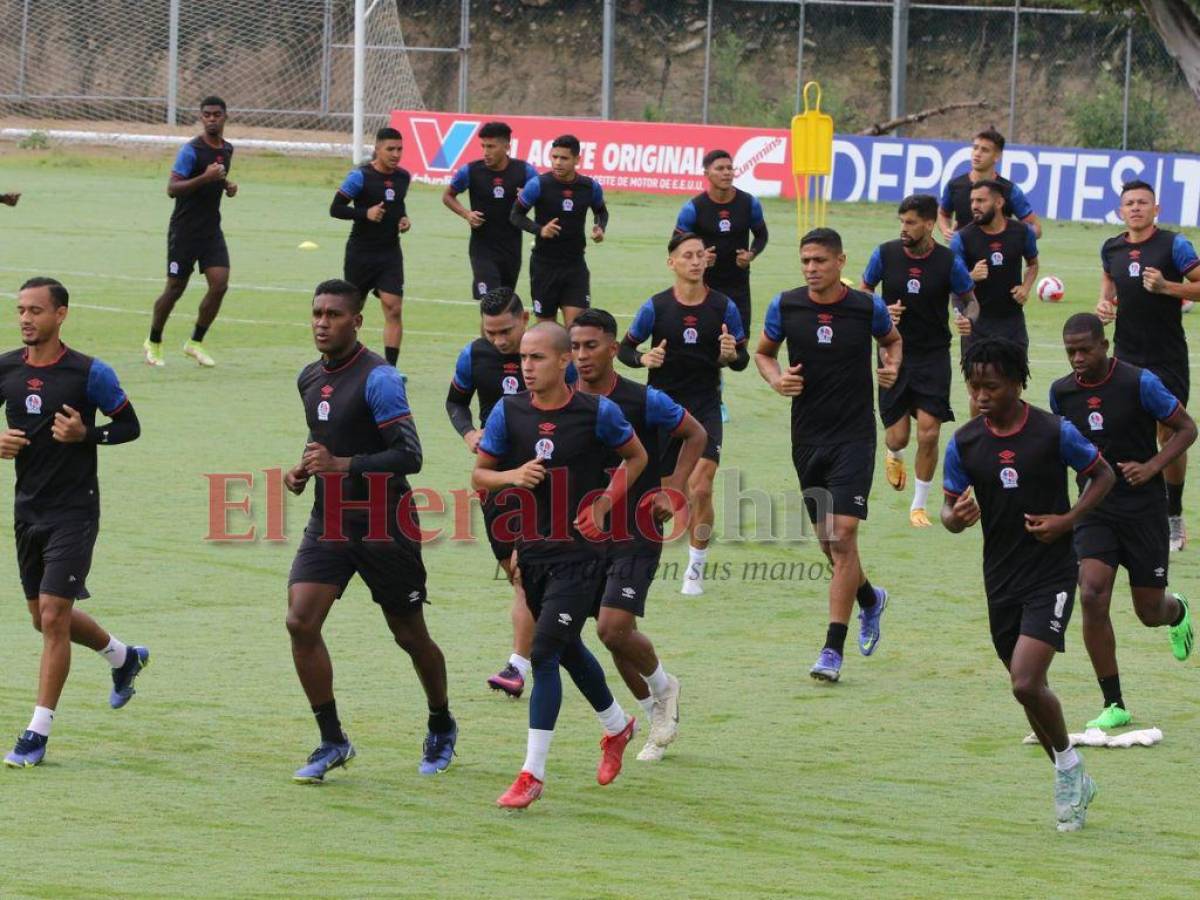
[907,779]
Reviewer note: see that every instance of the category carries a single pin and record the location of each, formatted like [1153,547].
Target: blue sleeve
[960,279]
[1053,402]
[954,477]
[733,321]
[956,247]
[385,395]
[597,196]
[103,390]
[185,161]
[1019,203]
[530,172]
[756,213]
[611,425]
[773,322]
[686,221]
[873,273]
[881,319]
[461,180]
[642,325]
[662,411]
[1156,399]
[947,202]
[353,184]
[1183,254]
[464,374]
[495,433]
[530,193]
[571,376]
[1031,250]
[1075,450]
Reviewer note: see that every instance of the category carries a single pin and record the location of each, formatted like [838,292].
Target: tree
[1177,23]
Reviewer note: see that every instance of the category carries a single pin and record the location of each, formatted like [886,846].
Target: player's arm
[962,297]
[493,448]
[694,438]
[458,400]
[103,392]
[1186,261]
[599,213]
[891,346]
[758,230]
[181,181]
[342,208]
[1021,292]
[959,509]
[1164,406]
[1106,306]
[614,431]
[1078,453]
[460,182]
[402,447]
[945,217]
[786,383]
[526,199]
[640,329]
[733,351]
[1022,210]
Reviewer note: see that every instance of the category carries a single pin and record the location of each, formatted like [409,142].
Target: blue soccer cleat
[828,666]
[137,659]
[29,751]
[868,628]
[325,758]
[438,751]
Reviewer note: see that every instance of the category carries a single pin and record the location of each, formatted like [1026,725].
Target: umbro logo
[35,384]
[414,597]
[628,593]
[564,619]
[860,500]
[1159,572]
[546,427]
[327,390]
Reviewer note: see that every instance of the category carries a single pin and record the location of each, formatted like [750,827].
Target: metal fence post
[707,63]
[899,57]
[464,47]
[25,47]
[172,64]
[800,61]
[606,60]
[1012,75]
[326,55]
[1125,104]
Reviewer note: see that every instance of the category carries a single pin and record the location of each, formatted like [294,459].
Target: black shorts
[184,254]
[492,268]
[562,595]
[1010,327]
[556,283]
[501,547]
[1140,543]
[923,384]
[392,570]
[835,478]
[706,411]
[55,557]
[1042,613]
[740,295]
[377,271]
[628,581]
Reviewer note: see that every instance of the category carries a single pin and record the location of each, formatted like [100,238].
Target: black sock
[835,637]
[866,595]
[392,355]
[156,335]
[328,722]
[1174,499]
[440,720]
[1111,686]
[198,333]
[1182,613]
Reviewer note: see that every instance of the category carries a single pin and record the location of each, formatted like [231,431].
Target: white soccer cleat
[196,352]
[1178,533]
[693,581]
[664,717]
[652,752]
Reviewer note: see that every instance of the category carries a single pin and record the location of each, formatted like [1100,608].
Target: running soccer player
[695,332]
[51,395]
[560,199]
[492,183]
[724,217]
[374,261]
[828,328]
[920,280]
[199,179]
[1016,457]
[1148,273]
[544,450]
[634,555]
[361,447]
[1119,407]
[956,213]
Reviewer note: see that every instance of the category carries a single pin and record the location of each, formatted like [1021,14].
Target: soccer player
[920,280]
[361,447]
[1119,407]
[956,213]
[1016,457]
[492,183]
[634,554]
[374,261]
[51,395]
[560,199]
[1148,272]
[544,450]
[695,332]
[724,217]
[199,179]
[9,199]
[828,328]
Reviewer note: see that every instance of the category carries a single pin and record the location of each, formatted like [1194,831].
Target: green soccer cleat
[153,353]
[196,352]
[1114,716]
[1181,634]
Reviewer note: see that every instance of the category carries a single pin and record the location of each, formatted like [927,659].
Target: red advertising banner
[653,157]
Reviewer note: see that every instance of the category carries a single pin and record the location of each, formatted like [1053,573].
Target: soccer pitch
[907,779]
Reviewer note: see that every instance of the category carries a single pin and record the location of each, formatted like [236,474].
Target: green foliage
[1097,119]
[736,96]
[35,140]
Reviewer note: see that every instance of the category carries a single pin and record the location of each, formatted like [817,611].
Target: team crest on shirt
[33,405]
[997,258]
[537,307]
[544,449]
[498,188]
[389,195]
[1008,477]
[568,204]
[323,411]
[173,268]
[1095,421]
[482,287]
[724,225]
[1135,269]
[690,335]
[824,335]
[914,285]
[509,384]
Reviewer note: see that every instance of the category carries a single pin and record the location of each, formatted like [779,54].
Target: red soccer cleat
[508,680]
[524,791]
[612,748]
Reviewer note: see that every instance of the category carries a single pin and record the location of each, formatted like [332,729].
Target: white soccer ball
[1050,289]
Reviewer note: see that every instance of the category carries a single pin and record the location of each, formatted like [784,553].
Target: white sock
[537,748]
[521,664]
[42,720]
[114,653]
[921,494]
[695,567]
[1066,759]
[896,454]
[657,681]
[647,704]
[613,720]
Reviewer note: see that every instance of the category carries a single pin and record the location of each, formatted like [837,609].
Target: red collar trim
[354,356]
[1017,430]
[46,365]
[1112,367]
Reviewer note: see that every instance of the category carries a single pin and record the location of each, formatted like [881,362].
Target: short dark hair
[58,293]
[991,134]
[567,142]
[681,237]
[596,318]
[1084,323]
[500,300]
[339,288]
[924,205]
[713,155]
[1137,185]
[1009,358]
[994,186]
[213,100]
[388,133]
[826,237]
[495,130]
